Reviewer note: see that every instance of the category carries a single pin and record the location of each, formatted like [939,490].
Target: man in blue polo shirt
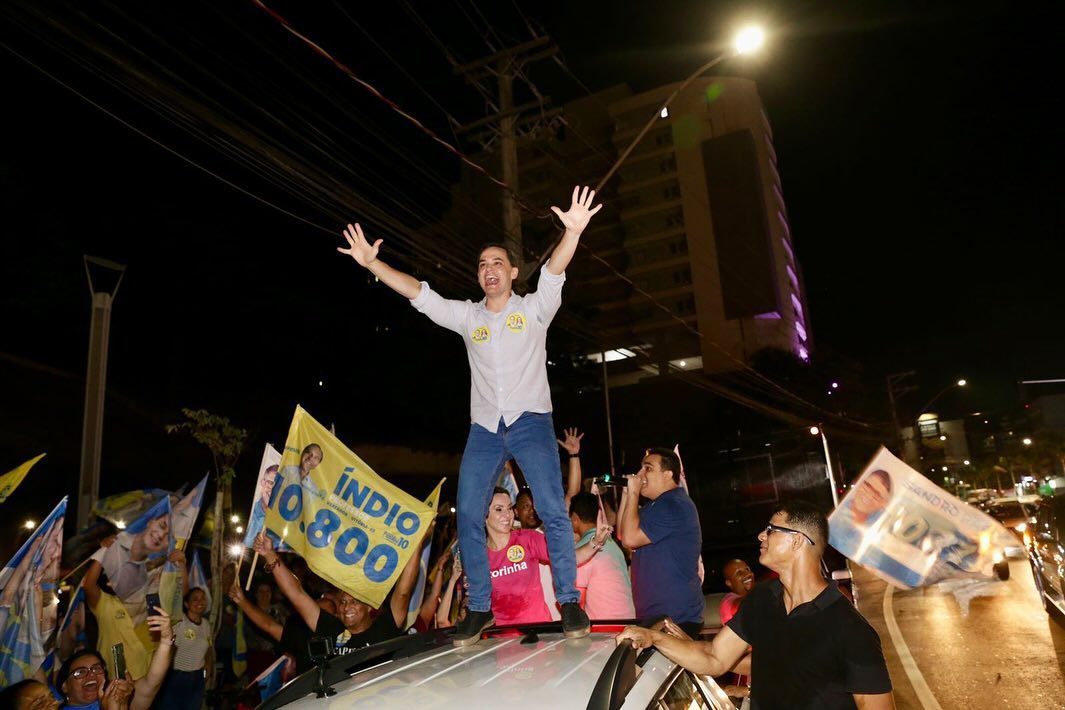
[666,540]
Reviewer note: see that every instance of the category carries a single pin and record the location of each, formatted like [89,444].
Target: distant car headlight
[1020,527]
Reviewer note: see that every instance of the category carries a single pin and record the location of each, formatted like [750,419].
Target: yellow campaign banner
[10,480]
[354,529]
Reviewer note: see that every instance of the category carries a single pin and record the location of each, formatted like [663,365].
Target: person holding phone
[186,682]
[115,624]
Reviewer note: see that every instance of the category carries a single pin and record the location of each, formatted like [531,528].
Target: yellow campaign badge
[516,553]
[190,634]
[516,322]
[481,335]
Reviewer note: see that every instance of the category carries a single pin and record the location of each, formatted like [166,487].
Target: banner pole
[251,572]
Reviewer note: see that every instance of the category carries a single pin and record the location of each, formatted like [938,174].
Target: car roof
[533,670]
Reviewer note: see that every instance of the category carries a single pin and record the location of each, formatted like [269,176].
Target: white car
[533,668]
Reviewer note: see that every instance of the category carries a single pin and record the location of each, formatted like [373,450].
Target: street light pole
[819,430]
[95,388]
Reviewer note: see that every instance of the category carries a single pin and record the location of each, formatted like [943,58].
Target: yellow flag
[10,480]
[355,530]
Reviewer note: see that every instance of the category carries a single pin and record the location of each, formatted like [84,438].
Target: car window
[1042,520]
[1057,519]
[682,694]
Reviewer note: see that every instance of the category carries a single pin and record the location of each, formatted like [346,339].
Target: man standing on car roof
[812,648]
[510,402]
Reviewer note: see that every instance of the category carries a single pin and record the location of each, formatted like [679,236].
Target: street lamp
[749,39]
[1026,441]
[29,524]
[959,383]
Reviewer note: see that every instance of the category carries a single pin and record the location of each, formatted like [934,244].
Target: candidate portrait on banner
[910,532]
[355,529]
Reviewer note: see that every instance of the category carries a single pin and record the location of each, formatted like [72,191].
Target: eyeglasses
[770,528]
[95,669]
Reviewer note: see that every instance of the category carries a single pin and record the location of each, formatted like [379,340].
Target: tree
[225,442]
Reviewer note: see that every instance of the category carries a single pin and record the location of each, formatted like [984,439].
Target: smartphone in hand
[118,659]
[154,604]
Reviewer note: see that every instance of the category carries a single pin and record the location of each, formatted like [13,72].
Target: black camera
[610,479]
[321,649]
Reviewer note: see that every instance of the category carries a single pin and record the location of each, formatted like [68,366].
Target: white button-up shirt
[507,350]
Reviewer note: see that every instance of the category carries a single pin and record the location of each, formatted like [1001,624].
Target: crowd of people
[511,557]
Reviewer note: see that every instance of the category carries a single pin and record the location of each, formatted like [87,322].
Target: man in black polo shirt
[811,647]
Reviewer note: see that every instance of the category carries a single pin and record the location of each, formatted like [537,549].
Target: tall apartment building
[695,219]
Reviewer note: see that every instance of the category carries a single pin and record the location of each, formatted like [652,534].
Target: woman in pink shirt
[514,557]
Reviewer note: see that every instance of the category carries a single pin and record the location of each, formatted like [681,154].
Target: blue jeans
[530,441]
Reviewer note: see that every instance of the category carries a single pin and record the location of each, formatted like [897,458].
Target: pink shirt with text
[517,596]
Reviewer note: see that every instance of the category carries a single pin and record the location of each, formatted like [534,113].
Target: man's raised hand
[572,442]
[580,210]
[361,250]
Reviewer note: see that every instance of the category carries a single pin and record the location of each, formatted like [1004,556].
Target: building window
[671,192]
[668,165]
[664,138]
[792,277]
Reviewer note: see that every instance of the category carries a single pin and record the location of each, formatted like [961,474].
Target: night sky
[918,147]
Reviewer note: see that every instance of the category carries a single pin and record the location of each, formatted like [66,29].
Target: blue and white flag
[123,508]
[416,597]
[28,600]
[71,636]
[270,680]
[197,578]
[912,533]
[264,496]
[507,480]
[183,516]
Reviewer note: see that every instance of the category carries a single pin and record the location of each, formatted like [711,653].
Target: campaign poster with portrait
[911,532]
[355,530]
[264,491]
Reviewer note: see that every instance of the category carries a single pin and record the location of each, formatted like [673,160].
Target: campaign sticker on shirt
[481,335]
[190,634]
[516,553]
[516,322]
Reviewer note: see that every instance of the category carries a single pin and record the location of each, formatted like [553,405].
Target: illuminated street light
[814,431]
[962,383]
[240,529]
[452,509]
[944,468]
[942,437]
[750,39]
[29,525]
[1026,441]
[236,549]
[234,518]
[966,462]
[835,385]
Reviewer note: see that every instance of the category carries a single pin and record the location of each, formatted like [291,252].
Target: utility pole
[505,65]
[95,387]
[896,388]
